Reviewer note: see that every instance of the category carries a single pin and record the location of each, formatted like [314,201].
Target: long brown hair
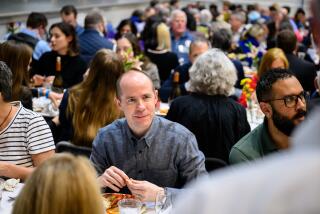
[92,102]
[63,184]
[17,56]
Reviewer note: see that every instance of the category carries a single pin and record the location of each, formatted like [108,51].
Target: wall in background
[114,10]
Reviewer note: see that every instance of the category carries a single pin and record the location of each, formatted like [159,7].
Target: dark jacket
[218,122]
[304,71]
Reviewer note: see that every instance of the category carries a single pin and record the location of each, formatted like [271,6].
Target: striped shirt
[27,134]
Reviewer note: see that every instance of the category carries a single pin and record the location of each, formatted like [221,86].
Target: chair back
[65,146]
[214,163]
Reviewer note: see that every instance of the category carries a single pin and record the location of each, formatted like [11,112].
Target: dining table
[8,198]
[45,107]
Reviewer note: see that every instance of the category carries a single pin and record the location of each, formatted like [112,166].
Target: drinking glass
[129,206]
[163,203]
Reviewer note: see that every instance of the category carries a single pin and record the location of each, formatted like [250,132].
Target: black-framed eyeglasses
[291,101]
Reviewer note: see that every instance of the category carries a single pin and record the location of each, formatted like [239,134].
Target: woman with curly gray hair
[217,121]
[213,73]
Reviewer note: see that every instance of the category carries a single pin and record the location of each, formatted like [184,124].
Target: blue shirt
[181,46]
[41,46]
[79,30]
[167,155]
[90,41]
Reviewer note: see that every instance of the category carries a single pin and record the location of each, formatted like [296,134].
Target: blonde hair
[64,184]
[91,104]
[269,57]
[163,37]
[256,30]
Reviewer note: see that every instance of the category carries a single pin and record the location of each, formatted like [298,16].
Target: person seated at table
[34,34]
[181,38]
[90,105]
[216,120]
[273,58]
[222,39]
[252,44]
[129,51]
[64,184]
[157,46]
[283,102]
[64,45]
[125,26]
[25,138]
[12,52]
[198,46]
[68,14]
[92,39]
[144,152]
[305,71]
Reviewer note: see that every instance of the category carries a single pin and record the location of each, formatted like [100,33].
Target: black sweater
[72,67]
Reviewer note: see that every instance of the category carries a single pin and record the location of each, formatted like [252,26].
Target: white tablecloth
[6,204]
[255,117]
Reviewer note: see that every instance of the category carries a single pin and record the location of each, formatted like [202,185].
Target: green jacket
[254,145]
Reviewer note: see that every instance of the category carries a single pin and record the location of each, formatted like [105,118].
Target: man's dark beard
[283,123]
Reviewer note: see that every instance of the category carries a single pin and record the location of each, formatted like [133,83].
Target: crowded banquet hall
[159,107]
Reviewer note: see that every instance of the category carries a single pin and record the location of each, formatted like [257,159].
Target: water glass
[163,203]
[129,206]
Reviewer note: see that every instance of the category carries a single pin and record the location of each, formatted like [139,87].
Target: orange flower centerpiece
[249,86]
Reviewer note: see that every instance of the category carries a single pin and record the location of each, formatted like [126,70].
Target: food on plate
[111,199]
[11,184]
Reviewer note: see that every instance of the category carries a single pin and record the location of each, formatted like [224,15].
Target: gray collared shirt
[167,155]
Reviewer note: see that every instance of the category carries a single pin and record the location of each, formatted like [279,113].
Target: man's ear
[266,109]
[117,101]
[156,94]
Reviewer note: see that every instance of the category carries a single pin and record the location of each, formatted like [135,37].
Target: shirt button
[140,171]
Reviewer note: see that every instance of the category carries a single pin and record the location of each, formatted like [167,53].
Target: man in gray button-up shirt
[144,152]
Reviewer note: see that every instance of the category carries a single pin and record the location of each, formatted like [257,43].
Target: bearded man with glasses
[283,102]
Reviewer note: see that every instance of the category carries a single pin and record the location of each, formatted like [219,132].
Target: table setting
[45,107]
[117,203]
[9,190]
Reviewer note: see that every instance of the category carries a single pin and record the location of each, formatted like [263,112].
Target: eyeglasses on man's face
[291,101]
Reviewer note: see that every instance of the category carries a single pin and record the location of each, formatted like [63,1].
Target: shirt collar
[183,36]
[30,33]
[267,142]
[148,136]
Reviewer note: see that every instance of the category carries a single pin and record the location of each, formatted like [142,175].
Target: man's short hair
[69,9]
[118,87]
[222,39]
[92,19]
[36,20]
[241,16]
[264,86]
[287,41]
[176,13]
[5,82]
[197,40]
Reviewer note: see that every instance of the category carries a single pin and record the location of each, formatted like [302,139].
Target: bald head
[132,76]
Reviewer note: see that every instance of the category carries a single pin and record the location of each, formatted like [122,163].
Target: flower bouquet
[248,89]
